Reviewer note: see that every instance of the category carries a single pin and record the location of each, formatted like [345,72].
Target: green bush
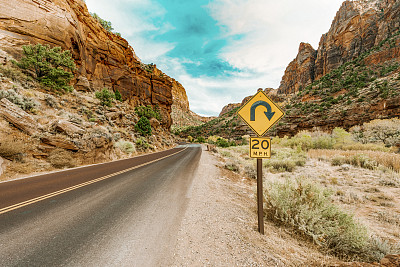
[106,24]
[221,142]
[51,66]
[148,112]
[307,208]
[118,95]
[105,96]
[143,126]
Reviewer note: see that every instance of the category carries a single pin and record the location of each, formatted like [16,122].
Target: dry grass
[12,148]
[60,158]
[386,159]
[23,168]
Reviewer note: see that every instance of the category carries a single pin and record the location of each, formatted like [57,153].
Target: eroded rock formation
[357,27]
[103,59]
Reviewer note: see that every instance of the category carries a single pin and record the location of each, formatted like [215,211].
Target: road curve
[128,217]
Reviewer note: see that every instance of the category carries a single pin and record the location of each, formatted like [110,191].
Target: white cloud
[134,19]
[272,31]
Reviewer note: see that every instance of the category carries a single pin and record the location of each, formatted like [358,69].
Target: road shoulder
[219,227]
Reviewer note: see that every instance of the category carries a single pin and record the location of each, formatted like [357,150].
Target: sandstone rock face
[60,142]
[103,59]
[300,71]
[358,26]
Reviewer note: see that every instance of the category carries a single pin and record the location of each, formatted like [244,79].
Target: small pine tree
[143,126]
[105,96]
[51,65]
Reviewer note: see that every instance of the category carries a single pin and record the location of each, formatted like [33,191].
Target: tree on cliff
[51,66]
[106,24]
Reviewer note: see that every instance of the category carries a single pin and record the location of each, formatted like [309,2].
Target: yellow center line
[40,198]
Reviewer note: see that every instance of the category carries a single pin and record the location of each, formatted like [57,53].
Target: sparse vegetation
[148,112]
[143,126]
[60,158]
[125,146]
[24,102]
[50,66]
[307,208]
[105,96]
[12,148]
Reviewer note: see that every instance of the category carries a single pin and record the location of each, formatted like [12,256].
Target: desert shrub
[21,167]
[232,166]
[338,160]
[14,74]
[24,102]
[148,112]
[307,208]
[51,66]
[143,126]
[378,131]
[105,96]
[222,142]
[286,165]
[12,148]
[118,95]
[60,158]
[365,159]
[201,139]
[125,146]
[141,144]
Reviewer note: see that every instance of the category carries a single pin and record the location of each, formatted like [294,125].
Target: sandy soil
[220,226]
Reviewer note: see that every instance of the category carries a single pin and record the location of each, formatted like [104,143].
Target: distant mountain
[353,77]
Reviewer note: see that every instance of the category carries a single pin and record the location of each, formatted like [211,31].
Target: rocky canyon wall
[103,59]
[357,27]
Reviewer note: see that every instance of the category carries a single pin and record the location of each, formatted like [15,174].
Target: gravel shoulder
[219,227]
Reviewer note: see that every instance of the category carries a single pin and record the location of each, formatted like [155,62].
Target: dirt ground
[220,226]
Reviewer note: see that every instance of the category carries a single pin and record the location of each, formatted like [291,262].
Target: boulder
[82,84]
[59,142]
[68,128]
[18,117]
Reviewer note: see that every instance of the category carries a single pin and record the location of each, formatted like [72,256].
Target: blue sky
[220,50]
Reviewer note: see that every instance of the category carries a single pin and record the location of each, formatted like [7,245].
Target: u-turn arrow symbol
[267,113]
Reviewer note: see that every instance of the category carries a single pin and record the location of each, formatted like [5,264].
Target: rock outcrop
[103,59]
[358,26]
[17,117]
[300,71]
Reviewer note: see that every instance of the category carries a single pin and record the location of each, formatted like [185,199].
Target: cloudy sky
[220,50]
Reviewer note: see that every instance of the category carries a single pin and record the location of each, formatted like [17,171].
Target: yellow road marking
[37,199]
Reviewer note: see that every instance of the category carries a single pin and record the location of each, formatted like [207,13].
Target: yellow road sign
[260,113]
[260,147]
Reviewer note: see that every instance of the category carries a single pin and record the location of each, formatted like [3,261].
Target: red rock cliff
[103,59]
[357,27]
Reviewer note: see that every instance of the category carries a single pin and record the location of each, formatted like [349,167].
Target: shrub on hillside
[51,66]
[106,24]
[307,208]
[125,146]
[11,148]
[60,158]
[105,96]
[26,103]
[143,126]
[118,95]
[148,112]
[378,131]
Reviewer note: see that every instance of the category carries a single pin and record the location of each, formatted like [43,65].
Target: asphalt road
[123,213]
